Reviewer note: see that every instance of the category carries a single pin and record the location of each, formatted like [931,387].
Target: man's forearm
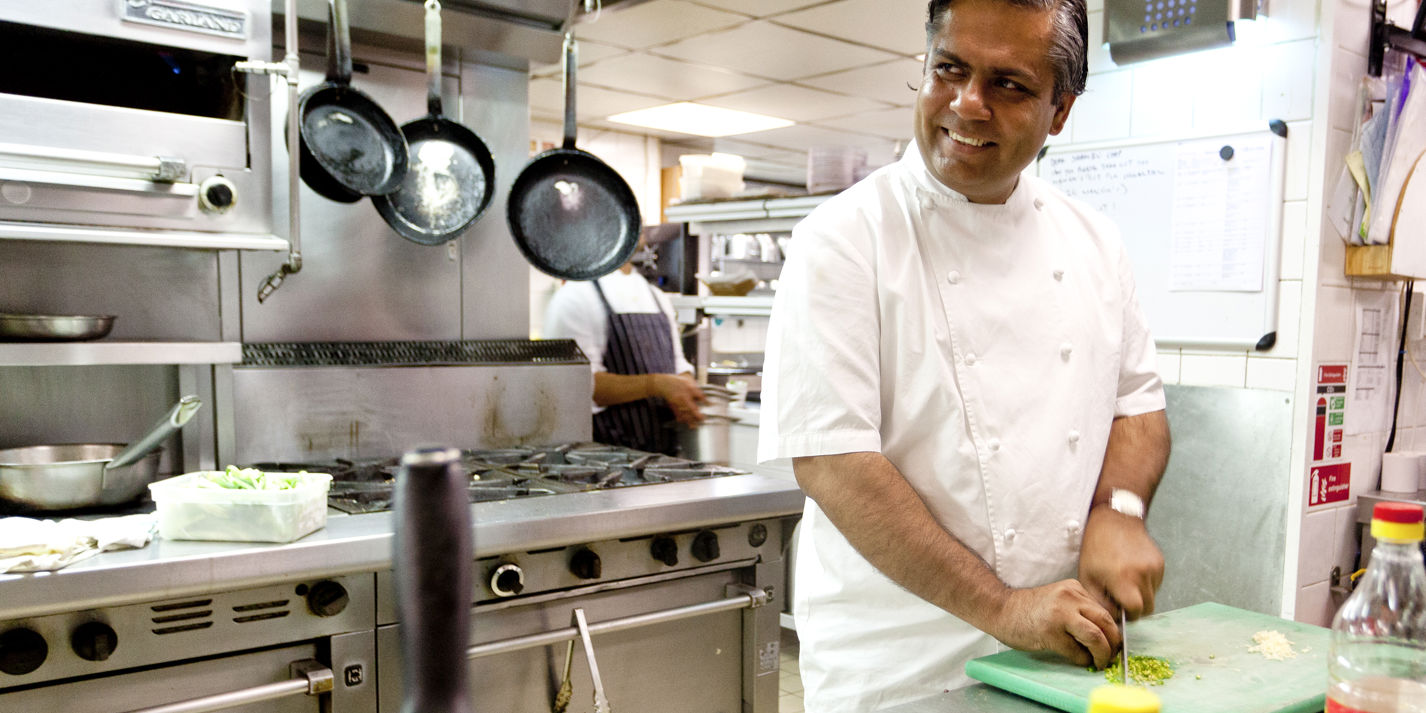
[610,389]
[874,507]
[1135,456]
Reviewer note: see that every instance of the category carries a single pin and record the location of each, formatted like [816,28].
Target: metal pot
[63,477]
[709,442]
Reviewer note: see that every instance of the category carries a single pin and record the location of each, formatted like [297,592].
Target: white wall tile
[1319,546]
[1103,108]
[1332,256]
[1294,238]
[1289,319]
[1206,369]
[1299,148]
[1364,451]
[1346,541]
[1351,24]
[1288,72]
[1168,363]
[1314,605]
[1272,373]
[1331,340]
[1224,95]
[1163,97]
[1289,20]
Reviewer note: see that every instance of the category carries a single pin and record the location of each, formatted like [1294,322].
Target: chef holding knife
[960,370]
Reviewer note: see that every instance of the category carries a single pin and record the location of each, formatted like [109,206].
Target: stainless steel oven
[125,117]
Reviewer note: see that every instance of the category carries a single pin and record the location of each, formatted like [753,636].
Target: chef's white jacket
[984,350]
[575,312]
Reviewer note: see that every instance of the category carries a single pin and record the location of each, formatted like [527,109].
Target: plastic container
[716,175]
[1123,699]
[186,512]
[1377,662]
[832,168]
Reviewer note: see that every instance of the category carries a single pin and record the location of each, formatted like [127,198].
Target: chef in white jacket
[960,370]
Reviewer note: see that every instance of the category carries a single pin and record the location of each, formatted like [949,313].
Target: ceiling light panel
[700,120]
[765,49]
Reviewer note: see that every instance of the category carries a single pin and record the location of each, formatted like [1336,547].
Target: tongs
[601,704]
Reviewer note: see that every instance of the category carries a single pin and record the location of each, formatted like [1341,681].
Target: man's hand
[1061,617]
[682,394]
[1119,563]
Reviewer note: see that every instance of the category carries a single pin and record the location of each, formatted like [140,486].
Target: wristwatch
[1126,502]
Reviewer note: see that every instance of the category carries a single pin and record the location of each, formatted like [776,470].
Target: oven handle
[165,169]
[309,677]
[747,598]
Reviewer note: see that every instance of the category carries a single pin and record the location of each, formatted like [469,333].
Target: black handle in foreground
[431,554]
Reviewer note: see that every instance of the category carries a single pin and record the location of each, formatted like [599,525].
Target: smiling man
[959,368]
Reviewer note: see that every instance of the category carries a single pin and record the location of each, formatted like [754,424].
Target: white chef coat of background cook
[984,350]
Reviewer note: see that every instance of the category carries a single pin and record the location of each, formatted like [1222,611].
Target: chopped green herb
[235,478]
[1143,670]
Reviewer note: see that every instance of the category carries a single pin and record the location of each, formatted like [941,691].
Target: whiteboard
[1201,219]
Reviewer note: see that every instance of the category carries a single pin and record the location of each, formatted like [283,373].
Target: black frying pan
[571,214]
[350,147]
[451,176]
[431,555]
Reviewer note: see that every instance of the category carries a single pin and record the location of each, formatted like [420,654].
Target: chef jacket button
[1073,436]
[994,444]
[970,360]
[953,277]
[1039,204]
[1009,535]
[1065,350]
[1072,529]
[1059,274]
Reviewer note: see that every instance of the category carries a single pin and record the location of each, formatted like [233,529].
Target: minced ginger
[1272,645]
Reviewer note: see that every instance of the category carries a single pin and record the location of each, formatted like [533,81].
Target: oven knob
[22,651]
[585,564]
[327,598]
[665,550]
[94,641]
[705,546]
[507,580]
[217,195]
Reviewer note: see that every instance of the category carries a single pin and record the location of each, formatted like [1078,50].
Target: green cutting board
[1207,644]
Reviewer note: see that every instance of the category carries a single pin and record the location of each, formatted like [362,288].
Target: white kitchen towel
[31,545]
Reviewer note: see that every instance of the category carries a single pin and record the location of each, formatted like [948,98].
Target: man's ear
[1062,112]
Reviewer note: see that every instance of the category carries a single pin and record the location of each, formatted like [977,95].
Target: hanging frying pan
[451,176]
[571,214]
[350,147]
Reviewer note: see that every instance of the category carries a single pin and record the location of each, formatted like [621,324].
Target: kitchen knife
[1124,645]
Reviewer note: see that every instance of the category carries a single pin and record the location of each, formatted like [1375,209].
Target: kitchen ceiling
[844,70]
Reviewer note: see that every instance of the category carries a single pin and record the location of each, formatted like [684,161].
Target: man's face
[987,99]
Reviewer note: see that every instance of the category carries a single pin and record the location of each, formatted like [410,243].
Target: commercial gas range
[365,486]
[678,567]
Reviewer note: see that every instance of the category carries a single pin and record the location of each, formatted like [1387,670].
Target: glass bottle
[1377,663]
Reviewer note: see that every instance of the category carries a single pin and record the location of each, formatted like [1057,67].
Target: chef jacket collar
[927,186]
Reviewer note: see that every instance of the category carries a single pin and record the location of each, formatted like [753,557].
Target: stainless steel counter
[362,543]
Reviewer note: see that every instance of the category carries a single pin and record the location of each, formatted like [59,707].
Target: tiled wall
[1328,533]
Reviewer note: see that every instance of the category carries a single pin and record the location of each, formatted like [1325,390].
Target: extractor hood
[1137,30]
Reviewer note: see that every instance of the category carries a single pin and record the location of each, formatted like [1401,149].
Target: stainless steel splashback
[320,401]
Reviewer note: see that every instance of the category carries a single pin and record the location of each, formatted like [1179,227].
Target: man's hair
[1069,38]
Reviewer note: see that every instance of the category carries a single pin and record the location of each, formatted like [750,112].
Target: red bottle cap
[1403,513]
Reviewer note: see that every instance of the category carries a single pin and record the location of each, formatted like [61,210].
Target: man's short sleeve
[821,378]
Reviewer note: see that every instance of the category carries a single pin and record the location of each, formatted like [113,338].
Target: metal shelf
[116,352]
[759,215]
[155,238]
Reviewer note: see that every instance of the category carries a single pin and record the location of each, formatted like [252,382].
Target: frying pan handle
[571,55]
[339,43]
[433,57]
[432,553]
[175,419]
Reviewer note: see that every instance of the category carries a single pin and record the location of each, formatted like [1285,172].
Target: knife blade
[1124,645]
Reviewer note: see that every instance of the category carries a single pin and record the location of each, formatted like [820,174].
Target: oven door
[166,685]
[697,643]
